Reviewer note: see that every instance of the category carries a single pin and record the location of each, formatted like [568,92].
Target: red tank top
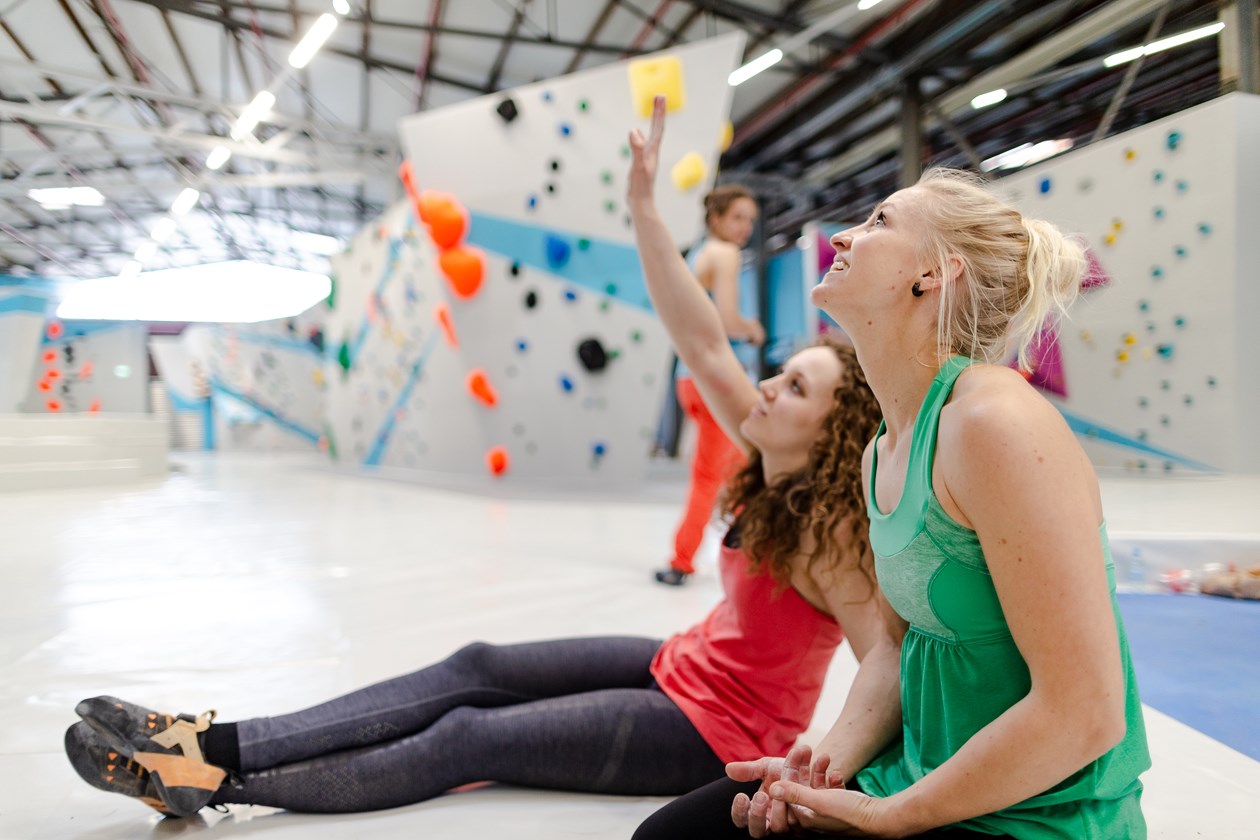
[748,676]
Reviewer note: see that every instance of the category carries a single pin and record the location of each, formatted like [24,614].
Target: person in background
[730,211]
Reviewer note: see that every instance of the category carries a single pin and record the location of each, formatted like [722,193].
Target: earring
[915,290]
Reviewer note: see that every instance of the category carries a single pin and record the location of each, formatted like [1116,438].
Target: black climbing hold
[592,355]
[531,299]
[507,109]
[554,164]
[515,268]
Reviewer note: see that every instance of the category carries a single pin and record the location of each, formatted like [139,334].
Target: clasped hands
[801,793]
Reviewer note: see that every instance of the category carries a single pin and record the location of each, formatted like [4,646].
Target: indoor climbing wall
[266,381]
[89,366]
[23,302]
[495,323]
[1155,371]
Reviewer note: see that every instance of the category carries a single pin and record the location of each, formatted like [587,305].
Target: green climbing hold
[584,244]
[606,176]
[636,336]
[343,357]
[611,288]
[331,300]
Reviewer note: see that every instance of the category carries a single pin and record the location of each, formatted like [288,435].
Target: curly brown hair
[774,519]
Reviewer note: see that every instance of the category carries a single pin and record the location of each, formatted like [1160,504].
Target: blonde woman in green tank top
[1017,712]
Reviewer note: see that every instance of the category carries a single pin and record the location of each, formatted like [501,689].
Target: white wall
[1188,182]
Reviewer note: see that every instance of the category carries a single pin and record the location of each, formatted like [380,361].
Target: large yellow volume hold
[652,77]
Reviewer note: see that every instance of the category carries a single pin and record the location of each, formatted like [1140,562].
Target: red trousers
[715,461]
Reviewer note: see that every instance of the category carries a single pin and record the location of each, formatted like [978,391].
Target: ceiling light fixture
[1162,44]
[255,112]
[341,7]
[313,40]
[146,252]
[228,292]
[984,100]
[1026,155]
[163,229]
[59,198]
[757,65]
[218,157]
[185,201]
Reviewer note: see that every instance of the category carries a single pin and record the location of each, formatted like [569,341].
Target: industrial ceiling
[129,96]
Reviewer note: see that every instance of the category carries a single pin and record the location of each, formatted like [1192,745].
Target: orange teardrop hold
[480,389]
[497,460]
[442,314]
[447,221]
[465,268]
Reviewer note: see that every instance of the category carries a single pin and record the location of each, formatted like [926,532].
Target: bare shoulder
[997,437]
[993,407]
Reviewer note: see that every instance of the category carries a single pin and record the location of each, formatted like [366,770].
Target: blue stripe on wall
[28,304]
[275,341]
[598,266]
[1090,429]
[373,458]
[279,420]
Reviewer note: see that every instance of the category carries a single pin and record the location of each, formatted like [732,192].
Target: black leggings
[705,814]
[575,714]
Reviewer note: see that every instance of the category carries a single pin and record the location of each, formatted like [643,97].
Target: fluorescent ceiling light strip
[163,229]
[217,157]
[341,7]
[984,100]
[254,113]
[757,65]
[313,40]
[185,201]
[1125,56]
[231,292]
[863,5]
[1184,38]
[59,198]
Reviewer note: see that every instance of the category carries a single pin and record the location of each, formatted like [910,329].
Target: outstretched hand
[645,155]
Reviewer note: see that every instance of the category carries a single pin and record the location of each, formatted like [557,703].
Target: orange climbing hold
[95,407]
[464,268]
[54,405]
[442,314]
[481,389]
[497,460]
[448,222]
[50,356]
[55,330]
[408,177]
[85,372]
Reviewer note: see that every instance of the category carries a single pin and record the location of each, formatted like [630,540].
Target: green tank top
[960,668]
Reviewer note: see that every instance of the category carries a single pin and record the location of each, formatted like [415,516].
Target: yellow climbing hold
[652,77]
[688,172]
[1130,339]
[728,134]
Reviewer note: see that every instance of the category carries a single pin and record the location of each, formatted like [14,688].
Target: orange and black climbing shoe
[165,745]
[103,767]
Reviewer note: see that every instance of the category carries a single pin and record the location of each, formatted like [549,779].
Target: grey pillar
[1248,47]
[911,132]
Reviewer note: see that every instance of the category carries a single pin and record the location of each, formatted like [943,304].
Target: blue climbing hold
[1044,186]
[599,450]
[1180,251]
[1159,212]
[532,202]
[570,295]
[1165,351]
[1174,138]
[1205,228]
[557,251]
[565,130]
[566,384]
[1157,272]
[1159,176]
[521,346]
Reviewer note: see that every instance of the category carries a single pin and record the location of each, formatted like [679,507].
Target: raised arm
[685,310]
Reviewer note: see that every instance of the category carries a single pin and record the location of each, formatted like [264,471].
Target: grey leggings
[575,714]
